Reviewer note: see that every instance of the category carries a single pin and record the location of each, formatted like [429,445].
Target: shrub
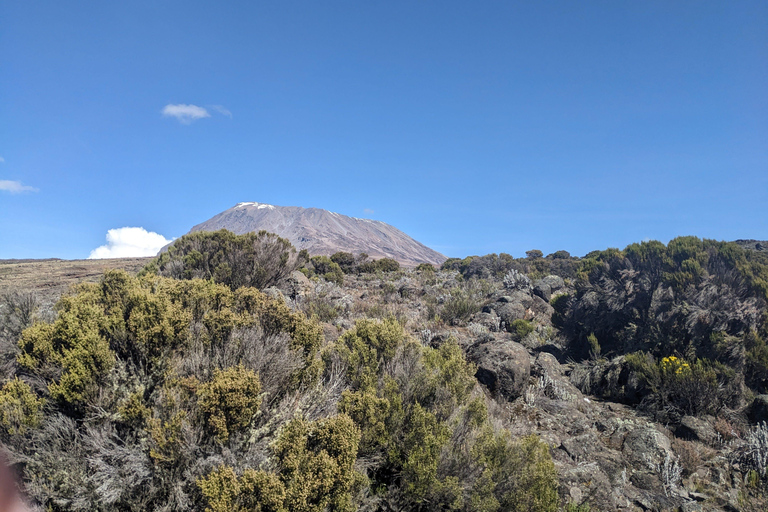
[258,259]
[331,271]
[230,400]
[688,454]
[682,387]
[425,267]
[521,328]
[20,408]
[316,463]
[459,307]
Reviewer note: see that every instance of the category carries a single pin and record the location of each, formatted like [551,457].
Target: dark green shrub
[329,270]
[258,259]
[229,400]
[521,328]
[425,267]
[20,408]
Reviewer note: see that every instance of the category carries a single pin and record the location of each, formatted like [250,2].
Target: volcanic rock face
[323,233]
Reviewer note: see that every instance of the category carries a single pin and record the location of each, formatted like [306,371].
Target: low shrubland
[182,390]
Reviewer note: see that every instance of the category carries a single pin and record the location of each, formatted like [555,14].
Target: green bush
[329,270]
[521,328]
[258,260]
[20,408]
[230,400]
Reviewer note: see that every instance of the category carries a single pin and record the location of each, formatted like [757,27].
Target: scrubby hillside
[235,373]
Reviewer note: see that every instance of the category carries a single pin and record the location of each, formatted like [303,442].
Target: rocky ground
[608,454]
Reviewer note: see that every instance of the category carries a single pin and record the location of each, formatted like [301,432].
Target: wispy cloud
[221,110]
[15,187]
[129,242]
[185,113]
[2,160]
[368,211]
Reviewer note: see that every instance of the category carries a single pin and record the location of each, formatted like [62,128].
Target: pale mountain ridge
[322,232]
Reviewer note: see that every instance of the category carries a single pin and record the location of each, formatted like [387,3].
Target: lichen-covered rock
[503,366]
[697,429]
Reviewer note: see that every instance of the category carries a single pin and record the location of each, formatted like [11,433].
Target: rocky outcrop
[503,366]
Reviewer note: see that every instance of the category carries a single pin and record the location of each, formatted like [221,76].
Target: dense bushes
[677,387]
[258,259]
[426,441]
[697,298]
[534,264]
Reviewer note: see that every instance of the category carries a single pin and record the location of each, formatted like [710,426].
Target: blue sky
[475,127]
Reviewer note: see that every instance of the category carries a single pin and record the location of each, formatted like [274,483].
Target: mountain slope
[323,232]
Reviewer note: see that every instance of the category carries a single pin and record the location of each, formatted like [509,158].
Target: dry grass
[51,278]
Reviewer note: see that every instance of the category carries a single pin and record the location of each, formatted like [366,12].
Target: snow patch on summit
[258,206]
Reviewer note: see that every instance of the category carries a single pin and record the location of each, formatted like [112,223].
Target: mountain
[323,233]
[754,245]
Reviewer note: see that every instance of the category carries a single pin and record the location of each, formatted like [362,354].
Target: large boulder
[542,289]
[696,429]
[520,305]
[503,366]
[646,446]
[555,283]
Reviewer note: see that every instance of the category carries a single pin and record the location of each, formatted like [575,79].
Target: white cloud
[221,110]
[185,113]
[2,160]
[368,211]
[15,187]
[129,242]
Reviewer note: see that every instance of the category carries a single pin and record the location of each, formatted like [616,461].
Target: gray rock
[297,284]
[555,283]
[274,293]
[503,366]
[697,429]
[646,446]
[758,411]
[490,320]
[542,289]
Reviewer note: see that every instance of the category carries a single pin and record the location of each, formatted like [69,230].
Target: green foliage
[257,260]
[367,346]
[534,254]
[594,345]
[425,267]
[230,400]
[254,491]
[701,298]
[72,351]
[346,261]
[315,472]
[432,440]
[328,269]
[521,328]
[316,463]
[461,304]
[693,388]
[20,408]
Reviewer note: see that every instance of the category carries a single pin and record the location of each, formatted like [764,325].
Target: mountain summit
[323,233]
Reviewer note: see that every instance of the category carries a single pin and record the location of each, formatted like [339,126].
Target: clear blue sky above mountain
[475,127]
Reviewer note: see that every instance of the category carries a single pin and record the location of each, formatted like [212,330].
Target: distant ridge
[322,232]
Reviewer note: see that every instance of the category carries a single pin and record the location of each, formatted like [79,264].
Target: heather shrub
[323,266]
[229,400]
[20,408]
[258,260]
[521,328]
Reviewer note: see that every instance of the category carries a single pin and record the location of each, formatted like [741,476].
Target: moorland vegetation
[236,373]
